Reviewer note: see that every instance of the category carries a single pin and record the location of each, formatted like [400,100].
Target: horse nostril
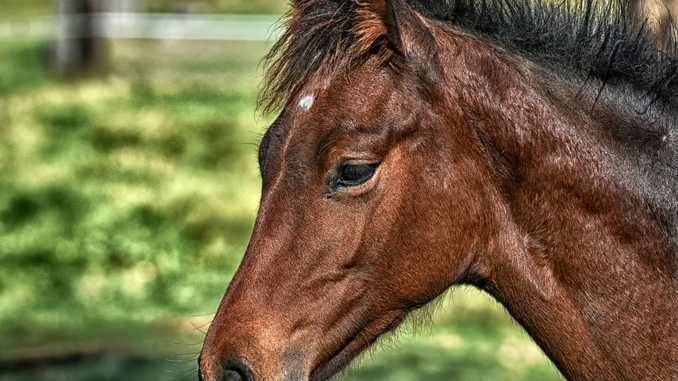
[231,375]
[236,370]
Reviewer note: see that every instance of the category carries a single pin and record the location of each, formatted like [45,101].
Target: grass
[122,183]
[25,9]
[126,202]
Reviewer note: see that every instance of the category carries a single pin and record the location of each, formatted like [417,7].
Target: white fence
[159,26]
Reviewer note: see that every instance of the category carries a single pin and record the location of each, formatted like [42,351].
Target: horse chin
[355,344]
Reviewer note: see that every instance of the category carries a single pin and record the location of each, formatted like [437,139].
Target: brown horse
[525,147]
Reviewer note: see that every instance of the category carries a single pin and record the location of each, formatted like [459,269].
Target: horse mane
[320,37]
[585,38]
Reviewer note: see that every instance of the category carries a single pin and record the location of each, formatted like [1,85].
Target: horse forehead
[323,103]
[354,91]
[306,102]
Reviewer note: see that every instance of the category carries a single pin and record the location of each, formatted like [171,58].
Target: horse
[527,148]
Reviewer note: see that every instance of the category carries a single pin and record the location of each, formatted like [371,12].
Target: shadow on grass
[110,367]
[25,205]
[22,66]
[414,363]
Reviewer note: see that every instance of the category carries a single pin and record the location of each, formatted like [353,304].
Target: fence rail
[158,26]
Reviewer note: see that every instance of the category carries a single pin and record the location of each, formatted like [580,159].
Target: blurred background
[129,186]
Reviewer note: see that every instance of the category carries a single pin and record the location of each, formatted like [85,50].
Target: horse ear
[411,38]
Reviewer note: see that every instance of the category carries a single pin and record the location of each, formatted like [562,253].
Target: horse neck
[581,264]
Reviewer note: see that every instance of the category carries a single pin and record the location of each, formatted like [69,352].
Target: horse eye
[350,175]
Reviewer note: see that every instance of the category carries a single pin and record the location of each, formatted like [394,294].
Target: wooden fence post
[78,48]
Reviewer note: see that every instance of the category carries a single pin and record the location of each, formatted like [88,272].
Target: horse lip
[347,351]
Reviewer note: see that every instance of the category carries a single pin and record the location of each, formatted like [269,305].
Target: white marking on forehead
[306,102]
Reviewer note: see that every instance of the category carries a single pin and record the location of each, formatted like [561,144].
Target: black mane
[593,39]
[602,47]
[590,38]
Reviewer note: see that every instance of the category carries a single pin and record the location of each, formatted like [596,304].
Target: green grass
[26,9]
[112,187]
[126,203]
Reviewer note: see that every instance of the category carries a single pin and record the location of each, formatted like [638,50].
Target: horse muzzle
[233,369]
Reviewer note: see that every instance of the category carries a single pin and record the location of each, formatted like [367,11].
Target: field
[126,202]
[13,9]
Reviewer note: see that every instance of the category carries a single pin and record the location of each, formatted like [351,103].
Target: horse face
[367,204]
[369,209]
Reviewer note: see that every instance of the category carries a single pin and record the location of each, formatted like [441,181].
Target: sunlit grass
[123,182]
